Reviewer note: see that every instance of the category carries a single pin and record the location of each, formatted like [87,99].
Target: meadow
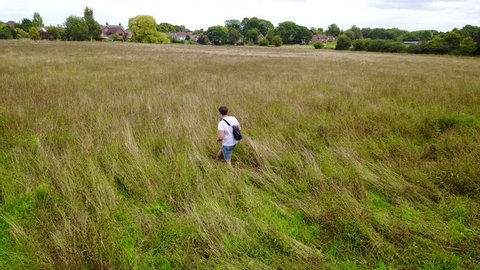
[350,160]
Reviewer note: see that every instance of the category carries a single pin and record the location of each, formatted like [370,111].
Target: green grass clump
[350,161]
[451,121]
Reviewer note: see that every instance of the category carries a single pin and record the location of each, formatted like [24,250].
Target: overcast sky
[404,14]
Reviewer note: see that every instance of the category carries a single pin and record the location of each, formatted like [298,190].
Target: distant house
[110,31]
[129,34]
[43,33]
[182,36]
[322,39]
[260,37]
[13,24]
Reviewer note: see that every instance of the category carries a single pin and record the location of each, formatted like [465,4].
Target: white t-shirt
[228,139]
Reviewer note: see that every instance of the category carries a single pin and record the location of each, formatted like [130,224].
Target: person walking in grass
[225,135]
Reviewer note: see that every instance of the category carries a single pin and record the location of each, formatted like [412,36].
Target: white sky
[404,14]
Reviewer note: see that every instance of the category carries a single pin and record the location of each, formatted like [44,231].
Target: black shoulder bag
[236,132]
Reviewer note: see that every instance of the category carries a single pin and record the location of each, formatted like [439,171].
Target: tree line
[257,31]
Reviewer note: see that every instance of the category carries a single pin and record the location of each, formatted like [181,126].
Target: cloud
[420,5]
[405,14]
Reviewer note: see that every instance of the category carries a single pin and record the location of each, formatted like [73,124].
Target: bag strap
[226,122]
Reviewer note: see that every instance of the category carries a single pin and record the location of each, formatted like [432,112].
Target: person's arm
[221,135]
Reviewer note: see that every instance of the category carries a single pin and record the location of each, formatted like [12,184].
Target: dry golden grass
[350,160]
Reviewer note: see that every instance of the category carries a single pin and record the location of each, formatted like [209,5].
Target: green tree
[356,32]
[452,40]
[468,45]
[21,33]
[166,28]
[418,35]
[55,32]
[94,28]
[34,33]
[203,39]
[292,33]
[5,32]
[350,34]
[218,35]
[76,29]
[198,31]
[252,35]
[319,31]
[234,36]
[37,20]
[333,30]
[436,46]
[26,24]
[144,29]
[250,23]
[170,28]
[233,24]
[471,31]
[343,43]
[277,41]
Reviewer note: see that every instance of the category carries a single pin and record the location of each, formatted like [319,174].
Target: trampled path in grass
[350,160]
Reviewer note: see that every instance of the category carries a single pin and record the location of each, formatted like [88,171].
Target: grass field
[349,161]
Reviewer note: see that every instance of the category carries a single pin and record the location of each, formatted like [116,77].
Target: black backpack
[236,132]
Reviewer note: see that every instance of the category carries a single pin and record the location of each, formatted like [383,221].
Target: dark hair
[223,110]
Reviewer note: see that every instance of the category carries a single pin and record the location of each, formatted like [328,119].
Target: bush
[116,37]
[34,33]
[203,39]
[361,44]
[21,33]
[343,43]
[277,41]
[381,45]
[55,32]
[415,48]
[264,42]
[318,45]
[468,46]
[436,46]
[5,32]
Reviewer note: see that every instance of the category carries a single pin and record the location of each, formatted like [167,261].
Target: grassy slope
[350,160]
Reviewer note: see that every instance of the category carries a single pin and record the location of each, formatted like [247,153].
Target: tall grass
[350,160]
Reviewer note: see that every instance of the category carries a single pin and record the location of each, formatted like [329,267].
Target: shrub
[21,33]
[277,41]
[361,44]
[415,48]
[116,37]
[436,46]
[5,32]
[343,43]
[318,45]
[55,32]
[264,42]
[34,33]
[203,39]
[381,45]
[468,46]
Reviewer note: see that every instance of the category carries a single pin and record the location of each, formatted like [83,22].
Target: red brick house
[322,39]
[109,31]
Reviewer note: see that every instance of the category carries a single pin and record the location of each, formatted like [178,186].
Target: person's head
[223,110]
